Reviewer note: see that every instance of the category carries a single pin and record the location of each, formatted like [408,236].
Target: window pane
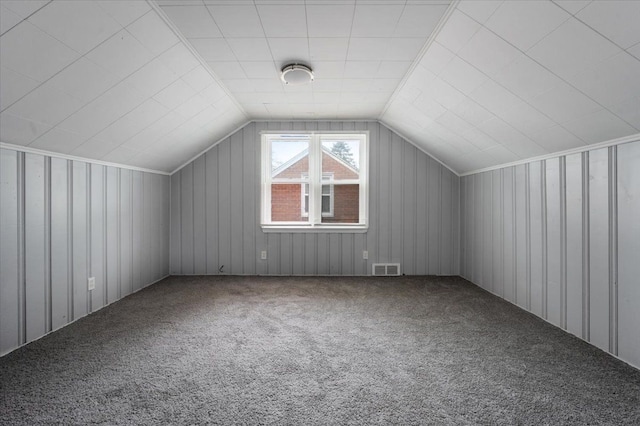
[326,189]
[286,203]
[341,158]
[326,204]
[346,205]
[289,156]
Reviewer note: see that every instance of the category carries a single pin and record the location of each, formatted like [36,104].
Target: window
[314,181]
[327,195]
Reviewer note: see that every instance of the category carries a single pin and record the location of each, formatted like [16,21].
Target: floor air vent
[385,269]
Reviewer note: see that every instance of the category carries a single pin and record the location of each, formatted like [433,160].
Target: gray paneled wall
[215,205]
[63,221]
[561,239]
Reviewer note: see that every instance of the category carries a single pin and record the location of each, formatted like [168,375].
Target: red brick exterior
[286,199]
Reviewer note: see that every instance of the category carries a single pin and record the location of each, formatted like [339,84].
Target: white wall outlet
[263,255]
[91,283]
[365,254]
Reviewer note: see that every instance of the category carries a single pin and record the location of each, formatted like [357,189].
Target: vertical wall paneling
[249,212]
[409,211]
[211,219]
[10,303]
[574,245]
[125,240]
[413,212]
[138,230]
[628,189]
[35,239]
[570,229]
[613,250]
[80,239]
[554,296]
[599,247]
[112,222]
[236,185]
[497,283]
[97,208]
[487,236]
[536,266]
[522,237]
[60,242]
[176,225]
[186,195]
[224,207]
[63,221]
[199,217]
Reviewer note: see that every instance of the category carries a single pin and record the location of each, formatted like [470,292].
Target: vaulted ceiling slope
[474,83]
[505,81]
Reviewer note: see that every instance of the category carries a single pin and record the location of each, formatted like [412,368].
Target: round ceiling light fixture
[295,74]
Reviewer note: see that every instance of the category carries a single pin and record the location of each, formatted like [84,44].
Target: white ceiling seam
[432,37]
[29,150]
[605,144]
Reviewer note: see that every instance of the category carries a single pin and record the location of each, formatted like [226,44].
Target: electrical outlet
[91,283]
[365,254]
[263,255]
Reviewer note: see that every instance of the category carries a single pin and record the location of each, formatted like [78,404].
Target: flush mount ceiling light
[296,74]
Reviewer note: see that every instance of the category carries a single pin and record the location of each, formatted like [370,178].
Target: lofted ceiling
[474,83]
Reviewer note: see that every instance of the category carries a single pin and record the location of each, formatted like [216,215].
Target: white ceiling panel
[480,10]
[83,80]
[46,104]
[283,20]
[599,126]
[124,12]
[14,86]
[28,50]
[79,25]
[617,20]
[572,6]
[419,20]
[375,20]
[328,48]
[236,20]
[193,21]
[329,20]
[20,131]
[526,22]
[8,19]
[121,55]
[162,80]
[458,31]
[488,52]
[611,81]
[153,33]
[58,140]
[557,138]
[572,47]
[24,8]
[563,102]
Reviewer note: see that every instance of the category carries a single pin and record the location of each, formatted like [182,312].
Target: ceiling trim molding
[204,151]
[195,53]
[445,18]
[612,142]
[420,148]
[29,150]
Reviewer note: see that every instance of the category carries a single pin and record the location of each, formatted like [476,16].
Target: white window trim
[315,156]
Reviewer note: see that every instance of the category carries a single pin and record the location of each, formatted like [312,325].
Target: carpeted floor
[314,351]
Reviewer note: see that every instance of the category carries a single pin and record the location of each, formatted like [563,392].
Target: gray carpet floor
[314,351]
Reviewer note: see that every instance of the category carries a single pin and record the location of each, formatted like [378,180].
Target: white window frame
[303,194]
[314,222]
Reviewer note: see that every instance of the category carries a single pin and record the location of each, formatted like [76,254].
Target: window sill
[309,229]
